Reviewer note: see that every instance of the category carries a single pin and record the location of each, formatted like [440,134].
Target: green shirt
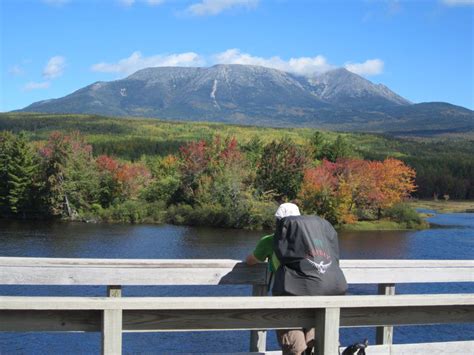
[264,251]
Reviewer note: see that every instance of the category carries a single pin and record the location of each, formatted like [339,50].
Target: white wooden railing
[112,315]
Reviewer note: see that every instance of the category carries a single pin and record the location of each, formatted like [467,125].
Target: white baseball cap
[286,210]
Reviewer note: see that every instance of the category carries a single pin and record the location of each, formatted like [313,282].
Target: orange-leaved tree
[120,180]
[349,188]
[395,181]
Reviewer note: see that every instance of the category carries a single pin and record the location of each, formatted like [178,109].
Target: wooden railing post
[384,335]
[258,338]
[112,326]
[326,340]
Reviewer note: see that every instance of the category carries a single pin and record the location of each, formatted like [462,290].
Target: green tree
[55,154]
[338,150]
[253,150]
[318,145]
[18,174]
[281,169]
[71,177]
[6,144]
[166,179]
[22,176]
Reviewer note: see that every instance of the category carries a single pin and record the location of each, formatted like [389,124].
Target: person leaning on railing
[303,256]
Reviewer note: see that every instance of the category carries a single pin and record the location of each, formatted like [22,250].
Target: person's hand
[251,260]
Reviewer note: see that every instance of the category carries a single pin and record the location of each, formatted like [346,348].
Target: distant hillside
[245,94]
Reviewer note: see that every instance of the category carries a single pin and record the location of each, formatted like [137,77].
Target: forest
[94,168]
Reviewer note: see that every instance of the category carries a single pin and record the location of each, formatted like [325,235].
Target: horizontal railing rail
[113,316]
[51,271]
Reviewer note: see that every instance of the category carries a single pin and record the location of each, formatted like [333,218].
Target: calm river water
[453,240]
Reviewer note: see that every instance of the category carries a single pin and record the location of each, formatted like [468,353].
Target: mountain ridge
[247,94]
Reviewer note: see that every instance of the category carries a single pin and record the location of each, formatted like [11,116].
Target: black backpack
[308,250]
[356,348]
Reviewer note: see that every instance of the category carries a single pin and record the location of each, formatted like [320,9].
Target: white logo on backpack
[321,267]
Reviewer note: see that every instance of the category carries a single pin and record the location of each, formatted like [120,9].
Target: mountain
[245,94]
[345,89]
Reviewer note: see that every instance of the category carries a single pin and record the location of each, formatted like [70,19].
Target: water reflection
[220,243]
[374,244]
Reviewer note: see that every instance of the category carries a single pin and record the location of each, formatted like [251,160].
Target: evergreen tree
[6,144]
[318,145]
[339,149]
[55,154]
[253,150]
[18,175]
[71,177]
[22,173]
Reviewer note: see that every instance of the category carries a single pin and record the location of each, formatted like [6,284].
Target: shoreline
[441,206]
[377,225]
[383,225]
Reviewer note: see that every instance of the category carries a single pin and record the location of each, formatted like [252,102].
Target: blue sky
[423,50]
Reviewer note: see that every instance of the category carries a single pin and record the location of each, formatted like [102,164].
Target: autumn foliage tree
[120,181]
[318,192]
[109,189]
[395,181]
[216,188]
[207,162]
[352,188]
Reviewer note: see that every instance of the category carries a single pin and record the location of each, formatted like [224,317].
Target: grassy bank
[164,217]
[258,217]
[383,225]
[442,206]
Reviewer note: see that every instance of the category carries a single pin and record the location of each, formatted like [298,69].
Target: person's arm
[262,252]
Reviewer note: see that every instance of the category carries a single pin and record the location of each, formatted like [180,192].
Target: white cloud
[301,65]
[215,7]
[54,68]
[306,66]
[16,70]
[155,2]
[458,2]
[369,67]
[32,85]
[309,65]
[235,56]
[136,62]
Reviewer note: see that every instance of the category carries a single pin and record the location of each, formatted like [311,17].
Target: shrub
[403,213]
[156,212]
[161,189]
[179,214]
[128,212]
[252,215]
